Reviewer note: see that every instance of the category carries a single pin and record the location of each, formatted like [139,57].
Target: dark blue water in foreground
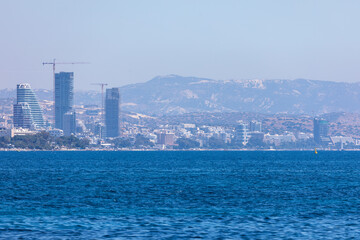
[171,195]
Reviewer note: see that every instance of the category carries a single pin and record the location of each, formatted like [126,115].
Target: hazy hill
[176,95]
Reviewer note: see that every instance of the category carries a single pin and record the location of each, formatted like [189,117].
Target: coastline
[178,150]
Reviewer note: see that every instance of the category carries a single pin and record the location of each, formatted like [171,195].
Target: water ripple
[185,195]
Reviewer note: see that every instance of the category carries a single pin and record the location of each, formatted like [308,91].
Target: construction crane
[102,98]
[54,63]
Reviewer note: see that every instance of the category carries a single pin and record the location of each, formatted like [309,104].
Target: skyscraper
[27,111]
[22,115]
[241,133]
[321,129]
[69,123]
[64,96]
[255,126]
[166,138]
[112,112]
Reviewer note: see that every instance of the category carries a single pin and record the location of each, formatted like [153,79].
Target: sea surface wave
[179,195]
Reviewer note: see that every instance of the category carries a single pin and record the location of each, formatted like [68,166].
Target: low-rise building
[166,138]
[56,132]
[279,139]
[342,140]
[21,132]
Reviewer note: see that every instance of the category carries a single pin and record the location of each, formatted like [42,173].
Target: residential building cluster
[103,126]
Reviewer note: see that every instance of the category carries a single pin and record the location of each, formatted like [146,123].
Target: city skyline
[151,132]
[133,41]
[185,119]
[191,93]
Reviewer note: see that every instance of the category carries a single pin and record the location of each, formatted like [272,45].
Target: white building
[278,139]
[342,140]
[21,132]
[56,132]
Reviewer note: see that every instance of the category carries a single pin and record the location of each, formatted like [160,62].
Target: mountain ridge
[174,94]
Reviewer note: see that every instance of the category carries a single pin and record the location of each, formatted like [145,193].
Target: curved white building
[27,111]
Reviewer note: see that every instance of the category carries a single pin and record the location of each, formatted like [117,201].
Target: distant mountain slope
[176,95]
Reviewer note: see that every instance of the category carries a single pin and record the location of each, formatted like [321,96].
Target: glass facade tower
[27,111]
[241,133]
[64,96]
[112,112]
[69,123]
[321,129]
[255,126]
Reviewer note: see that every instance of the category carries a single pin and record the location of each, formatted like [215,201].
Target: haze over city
[134,41]
[181,119]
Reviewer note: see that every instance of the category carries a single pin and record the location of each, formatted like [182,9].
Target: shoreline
[179,150]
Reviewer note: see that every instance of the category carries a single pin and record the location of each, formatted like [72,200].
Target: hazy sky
[133,41]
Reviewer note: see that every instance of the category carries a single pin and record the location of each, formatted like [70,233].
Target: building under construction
[112,112]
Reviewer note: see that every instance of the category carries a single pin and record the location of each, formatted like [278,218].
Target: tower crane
[102,98]
[54,63]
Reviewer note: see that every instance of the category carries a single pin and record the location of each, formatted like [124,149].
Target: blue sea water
[179,195]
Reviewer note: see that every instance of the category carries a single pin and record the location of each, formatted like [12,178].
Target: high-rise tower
[255,126]
[112,112]
[27,111]
[241,133]
[22,115]
[64,96]
[321,129]
[69,122]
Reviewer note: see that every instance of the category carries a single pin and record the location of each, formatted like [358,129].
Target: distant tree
[235,144]
[216,143]
[40,141]
[255,143]
[72,142]
[186,143]
[4,142]
[122,142]
[140,140]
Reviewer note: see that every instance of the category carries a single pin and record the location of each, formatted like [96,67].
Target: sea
[180,195]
